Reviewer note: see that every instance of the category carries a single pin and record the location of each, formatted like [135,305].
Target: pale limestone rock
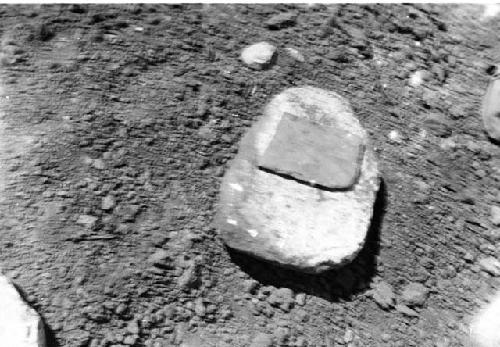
[485,327]
[295,54]
[259,56]
[290,220]
[491,110]
[20,325]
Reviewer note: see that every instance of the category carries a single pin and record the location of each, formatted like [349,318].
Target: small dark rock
[281,20]
[43,32]
[76,8]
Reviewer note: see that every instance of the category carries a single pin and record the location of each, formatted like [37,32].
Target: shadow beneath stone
[50,338]
[494,141]
[332,285]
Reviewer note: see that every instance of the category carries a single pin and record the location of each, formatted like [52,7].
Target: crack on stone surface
[307,183]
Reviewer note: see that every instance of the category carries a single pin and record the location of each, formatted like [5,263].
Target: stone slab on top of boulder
[300,192]
[309,152]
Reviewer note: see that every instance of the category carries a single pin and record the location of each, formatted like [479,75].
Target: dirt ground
[116,125]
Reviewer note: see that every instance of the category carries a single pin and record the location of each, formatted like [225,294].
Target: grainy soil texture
[118,122]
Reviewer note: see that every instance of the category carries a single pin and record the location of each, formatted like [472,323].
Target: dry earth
[116,124]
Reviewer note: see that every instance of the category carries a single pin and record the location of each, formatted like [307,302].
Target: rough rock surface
[414,294]
[259,56]
[20,325]
[484,330]
[295,54]
[495,215]
[383,295]
[490,265]
[291,220]
[281,20]
[491,110]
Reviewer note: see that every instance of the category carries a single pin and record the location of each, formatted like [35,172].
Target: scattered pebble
[159,258]
[300,299]
[87,221]
[281,20]
[295,54]
[133,327]
[250,286]
[385,337]
[189,278]
[283,298]
[419,77]
[348,336]
[447,144]
[383,295]
[406,310]
[495,215]
[395,136]
[262,340]
[199,307]
[414,294]
[98,164]
[259,56]
[490,265]
[108,202]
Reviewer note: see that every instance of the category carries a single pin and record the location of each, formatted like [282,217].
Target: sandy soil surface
[116,124]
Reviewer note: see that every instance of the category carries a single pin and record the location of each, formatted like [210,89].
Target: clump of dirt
[119,122]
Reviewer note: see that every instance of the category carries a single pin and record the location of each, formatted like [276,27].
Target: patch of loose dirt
[117,122]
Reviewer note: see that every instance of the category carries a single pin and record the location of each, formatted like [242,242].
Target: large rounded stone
[484,329]
[300,191]
[20,325]
[491,110]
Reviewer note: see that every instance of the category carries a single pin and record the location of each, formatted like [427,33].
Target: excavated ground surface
[116,124]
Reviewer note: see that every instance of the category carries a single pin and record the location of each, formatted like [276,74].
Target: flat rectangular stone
[314,154]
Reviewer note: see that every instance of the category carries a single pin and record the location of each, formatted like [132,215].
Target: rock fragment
[383,295]
[281,20]
[108,202]
[414,294]
[406,310]
[20,325]
[282,298]
[189,278]
[160,258]
[295,54]
[87,221]
[419,77]
[495,215]
[491,110]
[490,265]
[300,299]
[262,340]
[301,189]
[259,56]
